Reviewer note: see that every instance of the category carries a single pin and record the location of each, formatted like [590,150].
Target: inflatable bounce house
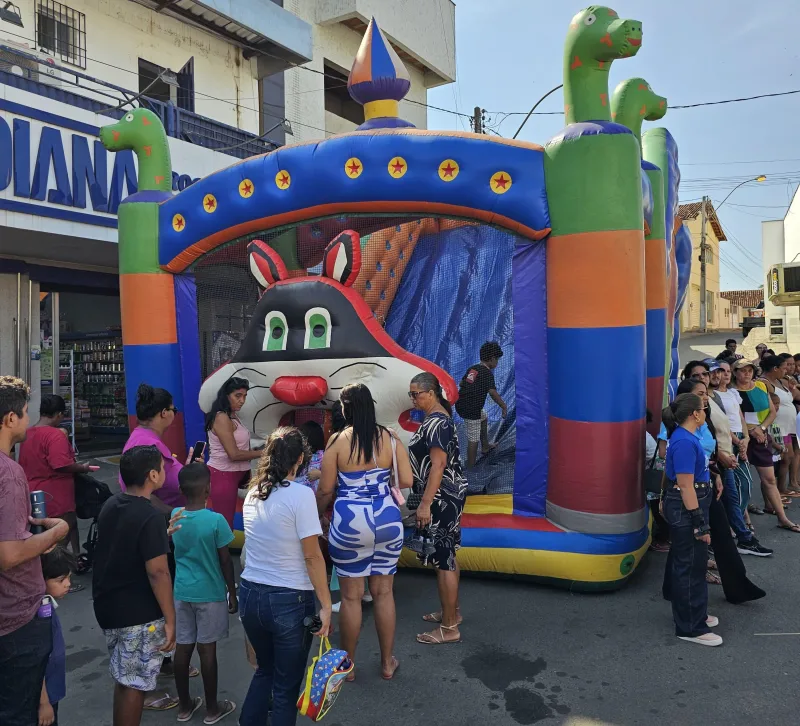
[374,255]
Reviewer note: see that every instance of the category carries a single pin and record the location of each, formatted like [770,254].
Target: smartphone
[198,450]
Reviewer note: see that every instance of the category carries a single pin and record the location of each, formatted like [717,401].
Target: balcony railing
[31,73]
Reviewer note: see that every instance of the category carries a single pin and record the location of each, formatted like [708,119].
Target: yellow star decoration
[353,167]
[500,182]
[397,167]
[448,170]
[210,203]
[283,179]
[178,223]
[246,188]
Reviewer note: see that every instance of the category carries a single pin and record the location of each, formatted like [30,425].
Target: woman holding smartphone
[686,502]
[229,447]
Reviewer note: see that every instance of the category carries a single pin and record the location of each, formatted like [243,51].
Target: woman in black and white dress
[440,489]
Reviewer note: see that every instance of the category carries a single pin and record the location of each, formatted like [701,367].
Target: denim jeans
[686,564]
[273,620]
[23,660]
[730,500]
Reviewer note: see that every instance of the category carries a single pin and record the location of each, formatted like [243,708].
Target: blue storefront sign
[65,173]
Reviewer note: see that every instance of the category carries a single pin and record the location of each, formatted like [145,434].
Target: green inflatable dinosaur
[634,102]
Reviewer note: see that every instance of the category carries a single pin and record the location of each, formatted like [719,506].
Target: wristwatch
[763,428]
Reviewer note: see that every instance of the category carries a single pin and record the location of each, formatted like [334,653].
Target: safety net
[441,288]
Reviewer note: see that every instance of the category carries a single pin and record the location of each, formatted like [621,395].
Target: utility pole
[703,310]
[477,120]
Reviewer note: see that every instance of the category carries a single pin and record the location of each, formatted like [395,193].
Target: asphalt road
[532,654]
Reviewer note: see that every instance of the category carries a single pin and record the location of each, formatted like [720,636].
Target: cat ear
[266,264]
[342,258]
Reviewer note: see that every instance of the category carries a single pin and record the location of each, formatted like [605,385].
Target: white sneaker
[712,621]
[366,597]
[711,639]
[335,607]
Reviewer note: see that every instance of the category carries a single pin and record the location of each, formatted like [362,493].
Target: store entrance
[88,371]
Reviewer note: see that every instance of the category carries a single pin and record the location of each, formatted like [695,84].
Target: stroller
[90,496]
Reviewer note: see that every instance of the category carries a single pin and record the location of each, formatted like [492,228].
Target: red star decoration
[247,188]
[353,168]
[448,170]
[284,180]
[501,182]
[179,222]
[210,204]
[397,166]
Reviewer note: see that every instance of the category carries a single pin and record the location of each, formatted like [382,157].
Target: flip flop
[193,673]
[794,528]
[437,618]
[165,703]
[196,703]
[228,707]
[396,666]
[753,509]
[431,639]
[712,578]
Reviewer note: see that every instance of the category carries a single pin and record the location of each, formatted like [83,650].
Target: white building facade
[229,79]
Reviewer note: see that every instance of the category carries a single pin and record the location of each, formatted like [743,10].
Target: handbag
[397,493]
[654,478]
[324,680]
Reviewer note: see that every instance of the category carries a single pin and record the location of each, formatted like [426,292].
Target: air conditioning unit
[783,284]
[40,67]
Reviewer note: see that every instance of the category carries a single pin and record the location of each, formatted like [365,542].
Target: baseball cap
[743,363]
[712,363]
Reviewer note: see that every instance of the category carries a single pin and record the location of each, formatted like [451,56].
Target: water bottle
[38,510]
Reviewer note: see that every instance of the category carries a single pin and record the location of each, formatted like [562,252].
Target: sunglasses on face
[413,394]
[172,408]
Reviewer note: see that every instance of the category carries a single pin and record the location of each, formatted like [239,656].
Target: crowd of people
[730,417]
[163,582]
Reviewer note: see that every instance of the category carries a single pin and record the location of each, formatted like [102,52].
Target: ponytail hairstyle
[679,410]
[221,402]
[284,447]
[358,410]
[151,401]
[429,382]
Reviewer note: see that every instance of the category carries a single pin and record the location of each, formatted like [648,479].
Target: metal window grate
[61,31]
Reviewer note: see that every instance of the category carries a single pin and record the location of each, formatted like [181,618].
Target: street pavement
[532,654]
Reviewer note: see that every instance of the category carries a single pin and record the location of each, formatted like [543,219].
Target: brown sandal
[431,639]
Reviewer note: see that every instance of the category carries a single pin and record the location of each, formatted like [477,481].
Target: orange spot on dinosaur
[148,150]
[607,40]
[612,13]
[601,65]
[662,104]
[576,63]
[613,115]
[572,26]
[115,134]
[604,99]
[643,110]
[145,122]
[642,87]
[159,179]
[567,107]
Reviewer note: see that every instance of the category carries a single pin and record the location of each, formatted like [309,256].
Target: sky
[508,55]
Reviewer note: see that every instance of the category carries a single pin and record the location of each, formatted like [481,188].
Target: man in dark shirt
[477,383]
[26,637]
[131,584]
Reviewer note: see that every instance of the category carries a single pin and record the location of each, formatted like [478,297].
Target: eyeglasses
[413,394]
[172,408]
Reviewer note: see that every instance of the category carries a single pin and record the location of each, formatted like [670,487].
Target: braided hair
[285,446]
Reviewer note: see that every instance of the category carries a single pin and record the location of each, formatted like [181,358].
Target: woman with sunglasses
[440,489]
[686,503]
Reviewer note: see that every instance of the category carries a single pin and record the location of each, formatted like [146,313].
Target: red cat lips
[299,390]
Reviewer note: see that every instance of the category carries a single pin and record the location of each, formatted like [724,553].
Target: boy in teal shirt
[203,575]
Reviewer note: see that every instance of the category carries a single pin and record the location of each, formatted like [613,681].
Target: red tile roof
[744,298]
[692,211]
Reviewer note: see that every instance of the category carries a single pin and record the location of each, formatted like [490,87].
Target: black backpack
[90,496]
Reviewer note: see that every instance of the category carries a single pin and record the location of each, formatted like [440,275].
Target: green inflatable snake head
[633,102]
[142,131]
[597,36]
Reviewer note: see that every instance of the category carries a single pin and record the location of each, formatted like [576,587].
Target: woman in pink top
[229,447]
[156,412]
[49,463]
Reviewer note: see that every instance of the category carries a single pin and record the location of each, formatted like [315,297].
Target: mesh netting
[441,288]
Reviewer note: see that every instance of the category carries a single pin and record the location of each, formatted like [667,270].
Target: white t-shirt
[787,416]
[732,400]
[650,447]
[273,529]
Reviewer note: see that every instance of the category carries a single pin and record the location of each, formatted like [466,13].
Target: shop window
[337,97]
[60,30]
[709,255]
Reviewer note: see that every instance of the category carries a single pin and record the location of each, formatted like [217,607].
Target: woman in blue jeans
[686,502]
[283,569]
